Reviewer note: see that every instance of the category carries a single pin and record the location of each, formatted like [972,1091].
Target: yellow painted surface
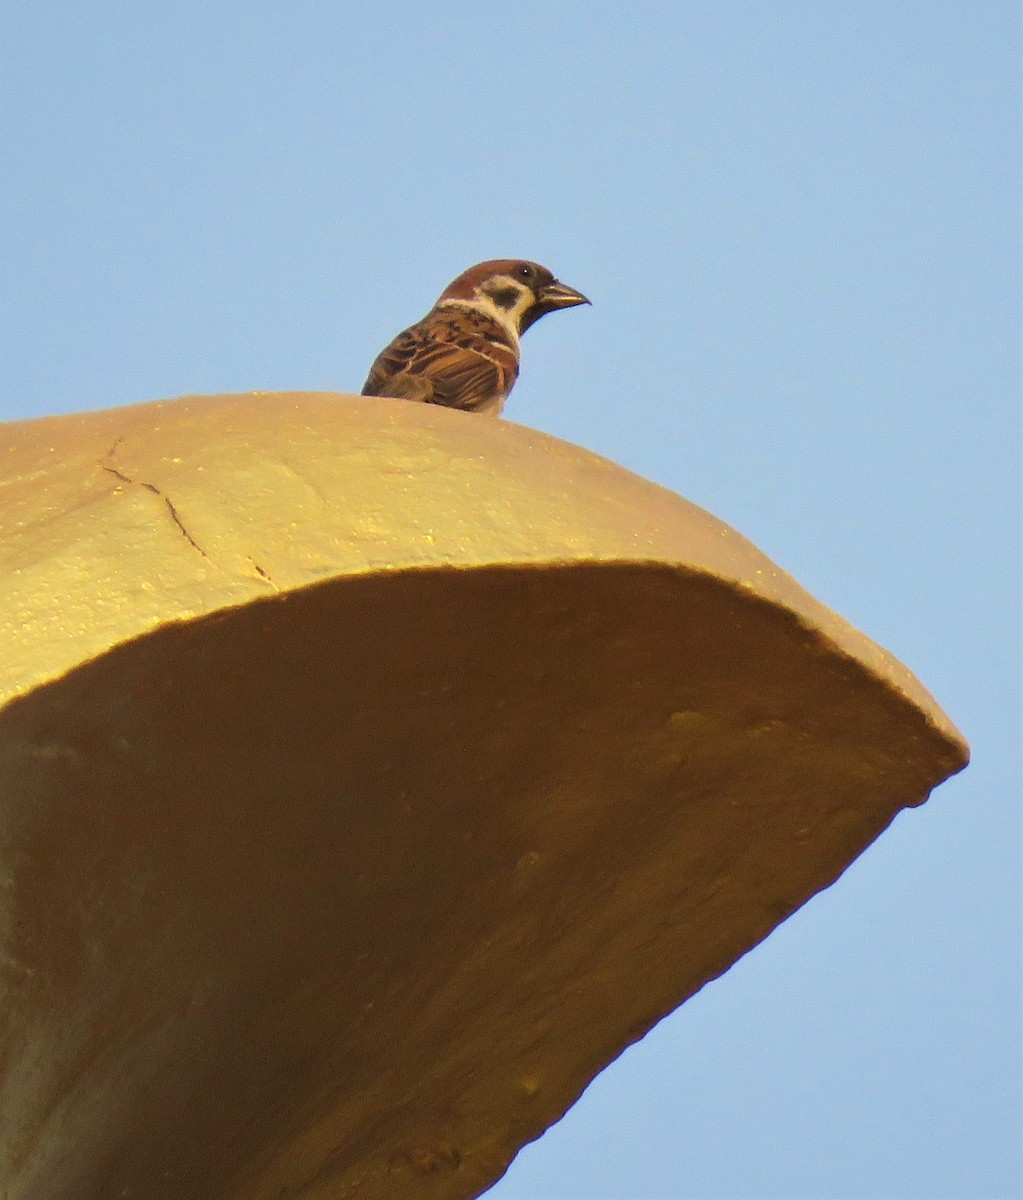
[371,774]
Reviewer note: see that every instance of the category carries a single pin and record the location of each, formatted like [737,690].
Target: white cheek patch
[509,316]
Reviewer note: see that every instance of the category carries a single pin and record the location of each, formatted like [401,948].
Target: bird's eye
[525,271]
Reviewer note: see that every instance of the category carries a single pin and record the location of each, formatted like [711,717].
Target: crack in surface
[263,574]
[174,514]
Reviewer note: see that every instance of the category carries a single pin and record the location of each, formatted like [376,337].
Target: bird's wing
[392,360]
[415,367]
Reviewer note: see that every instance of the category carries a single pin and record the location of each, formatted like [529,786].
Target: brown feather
[464,356]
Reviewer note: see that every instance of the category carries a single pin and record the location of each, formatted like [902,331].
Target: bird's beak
[560,295]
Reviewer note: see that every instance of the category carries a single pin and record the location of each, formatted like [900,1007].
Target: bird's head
[514,291]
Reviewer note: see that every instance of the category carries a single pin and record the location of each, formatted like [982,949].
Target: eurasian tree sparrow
[465,352]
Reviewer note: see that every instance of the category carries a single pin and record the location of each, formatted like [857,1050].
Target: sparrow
[465,352]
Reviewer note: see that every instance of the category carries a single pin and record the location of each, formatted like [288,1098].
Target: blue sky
[798,223]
